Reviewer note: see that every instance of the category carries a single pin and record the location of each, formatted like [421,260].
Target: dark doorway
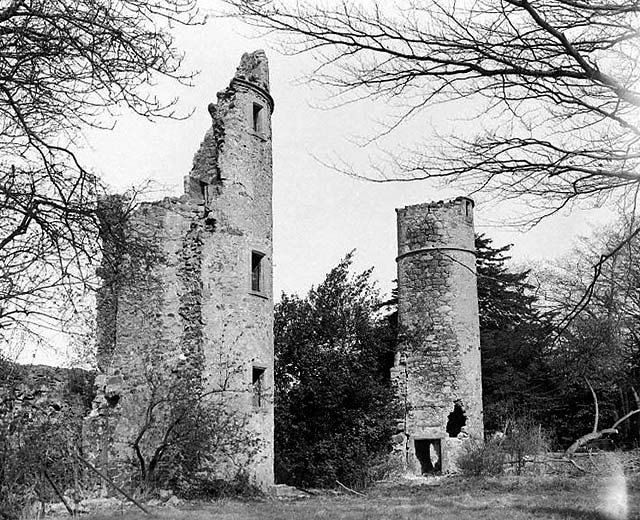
[429,453]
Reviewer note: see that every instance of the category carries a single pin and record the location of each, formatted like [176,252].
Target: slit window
[257,283]
[203,191]
[257,386]
[257,117]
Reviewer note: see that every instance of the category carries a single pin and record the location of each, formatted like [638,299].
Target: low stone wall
[49,390]
[34,395]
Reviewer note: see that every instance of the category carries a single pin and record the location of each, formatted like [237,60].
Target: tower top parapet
[253,73]
[423,228]
[465,203]
[254,68]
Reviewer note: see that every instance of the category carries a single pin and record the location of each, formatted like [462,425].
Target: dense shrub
[481,459]
[41,412]
[37,448]
[203,486]
[335,408]
[524,442]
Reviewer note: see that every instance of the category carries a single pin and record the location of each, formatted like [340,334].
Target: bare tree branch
[65,66]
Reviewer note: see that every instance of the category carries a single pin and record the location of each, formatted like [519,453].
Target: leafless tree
[64,66]
[559,81]
[552,85]
[187,425]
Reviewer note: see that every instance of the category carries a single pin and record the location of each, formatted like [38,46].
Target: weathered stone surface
[39,396]
[45,387]
[438,365]
[192,314]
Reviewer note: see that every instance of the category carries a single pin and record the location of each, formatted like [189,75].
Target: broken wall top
[254,68]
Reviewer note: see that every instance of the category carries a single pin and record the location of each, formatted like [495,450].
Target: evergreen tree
[513,335]
[335,410]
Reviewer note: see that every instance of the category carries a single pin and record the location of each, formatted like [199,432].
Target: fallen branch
[624,418]
[349,489]
[113,484]
[587,438]
[312,493]
[576,465]
[596,434]
[58,493]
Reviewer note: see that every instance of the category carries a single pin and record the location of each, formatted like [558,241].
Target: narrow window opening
[257,117]
[257,384]
[429,454]
[256,271]
[456,420]
[204,191]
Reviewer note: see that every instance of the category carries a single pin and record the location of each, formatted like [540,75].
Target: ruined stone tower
[437,368]
[185,314]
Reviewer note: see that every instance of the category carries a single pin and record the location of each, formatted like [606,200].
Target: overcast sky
[319,215]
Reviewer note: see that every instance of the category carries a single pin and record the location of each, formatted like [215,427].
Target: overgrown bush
[36,450]
[481,459]
[39,436]
[524,441]
[185,432]
[383,467]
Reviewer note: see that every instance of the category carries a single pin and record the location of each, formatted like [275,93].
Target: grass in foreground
[451,499]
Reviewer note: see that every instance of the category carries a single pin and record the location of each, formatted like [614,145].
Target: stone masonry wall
[37,397]
[437,370]
[50,389]
[192,309]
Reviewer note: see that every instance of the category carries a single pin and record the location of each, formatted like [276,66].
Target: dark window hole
[257,383]
[204,191]
[257,117]
[456,420]
[113,400]
[256,271]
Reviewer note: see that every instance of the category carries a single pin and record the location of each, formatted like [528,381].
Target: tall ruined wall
[194,306]
[437,370]
[148,330]
[237,303]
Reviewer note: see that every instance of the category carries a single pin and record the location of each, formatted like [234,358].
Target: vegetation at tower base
[66,65]
[190,429]
[335,408]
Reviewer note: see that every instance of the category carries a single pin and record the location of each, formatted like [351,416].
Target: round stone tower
[437,369]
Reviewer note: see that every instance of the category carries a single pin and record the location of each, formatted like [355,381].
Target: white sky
[319,215]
